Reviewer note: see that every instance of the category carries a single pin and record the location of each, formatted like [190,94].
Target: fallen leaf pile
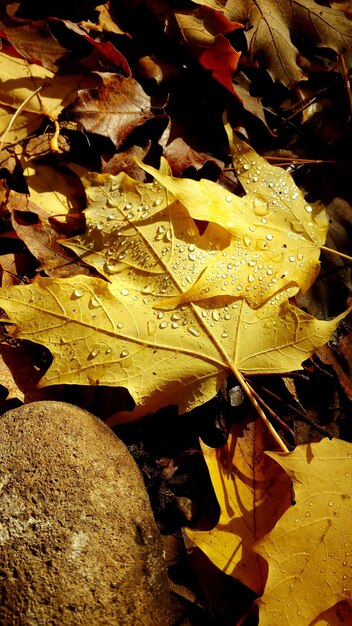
[270,27]
[146,246]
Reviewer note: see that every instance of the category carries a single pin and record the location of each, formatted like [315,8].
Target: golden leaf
[309,550]
[51,94]
[54,189]
[113,334]
[252,495]
[19,127]
[275,235]
[104,334]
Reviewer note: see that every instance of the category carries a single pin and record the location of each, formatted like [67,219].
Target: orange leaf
[222,60]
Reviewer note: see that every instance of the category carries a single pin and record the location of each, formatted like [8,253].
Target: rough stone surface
[78,542]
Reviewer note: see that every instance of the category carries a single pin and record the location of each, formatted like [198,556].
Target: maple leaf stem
[13,118]
[54,146]
[297,161]
[246,387]
[343,256]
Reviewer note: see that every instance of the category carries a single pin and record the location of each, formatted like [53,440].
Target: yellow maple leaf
[149,247]
[252,495]
[275,235]
[309,550]
[36,91]
[253,257]
[104,334]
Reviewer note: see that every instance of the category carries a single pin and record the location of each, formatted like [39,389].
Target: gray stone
[78,542]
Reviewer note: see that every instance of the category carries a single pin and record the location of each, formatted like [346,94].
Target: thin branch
[273,414]
[15,115]
[301,414]
[249,392]
[346,79]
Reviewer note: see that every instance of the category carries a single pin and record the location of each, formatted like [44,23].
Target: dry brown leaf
[18,373]
[33,41]
[342,5]
[42,240]
[114,109]
[106,22]
[180,156]
[339,615]
[203,31]
[339,356]
[270,25]
[125,161]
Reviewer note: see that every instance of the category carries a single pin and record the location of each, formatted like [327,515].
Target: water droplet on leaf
[78,293]
[94,302]
[193,330]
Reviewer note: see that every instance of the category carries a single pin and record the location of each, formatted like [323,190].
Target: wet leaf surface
[308,551]
[213,276]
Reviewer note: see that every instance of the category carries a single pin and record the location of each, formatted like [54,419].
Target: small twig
[300,413]
[273,414]
[13,118]
[249,392]
[346,79]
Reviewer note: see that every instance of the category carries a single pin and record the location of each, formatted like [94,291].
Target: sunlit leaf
[275,234]
[20,80]
[252,495]
[115,334]
[273,26]
[309,550]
